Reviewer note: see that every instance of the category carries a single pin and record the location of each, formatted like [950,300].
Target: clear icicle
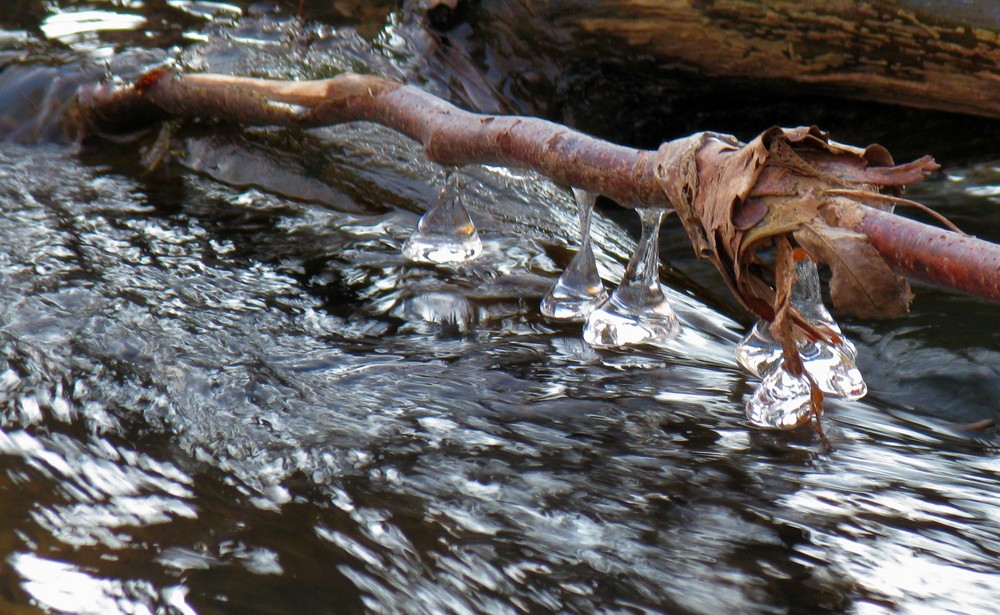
[781,397]
[831,366]
[445,234]
[781,401]
[637,312]
[758,352]
[579,290]
[834,372]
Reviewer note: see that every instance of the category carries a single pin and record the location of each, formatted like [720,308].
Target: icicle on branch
[790,194]
[733,198]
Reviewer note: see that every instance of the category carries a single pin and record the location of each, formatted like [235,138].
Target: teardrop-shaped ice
[781,401]
[831,366]
[445,234]
[807,298]
[833,371]
[758,352]
[637,312]
[579,290]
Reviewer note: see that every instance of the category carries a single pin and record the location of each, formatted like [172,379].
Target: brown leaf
[787,184]
[785,214]
[862,283]
[784,329]
[748,213]
[781,327]
[685,185]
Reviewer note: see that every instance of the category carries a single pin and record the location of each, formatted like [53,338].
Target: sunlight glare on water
[225,390]
[78,29]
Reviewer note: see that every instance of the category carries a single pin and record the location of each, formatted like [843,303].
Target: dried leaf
[748,213]
[796,184]
[705,195]
[861,279]
[784,328]
[781,328]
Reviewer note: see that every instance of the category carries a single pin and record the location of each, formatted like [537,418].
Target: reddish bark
[452,136]
[449,135]
[935,255]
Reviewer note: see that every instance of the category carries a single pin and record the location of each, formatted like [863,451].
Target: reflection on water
[225,395]
[69,26]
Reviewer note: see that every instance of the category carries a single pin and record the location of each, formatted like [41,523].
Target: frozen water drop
[579,290]
[445,234]
[807,298]
[637,312]
[781,401]
[617,323]
[831,366]
[758,352]
[833,371]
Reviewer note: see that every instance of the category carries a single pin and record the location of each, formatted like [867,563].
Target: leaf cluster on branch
[736,199]
[787,193]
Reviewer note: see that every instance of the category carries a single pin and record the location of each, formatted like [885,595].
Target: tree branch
[942,257]
[449,135]
[631,177]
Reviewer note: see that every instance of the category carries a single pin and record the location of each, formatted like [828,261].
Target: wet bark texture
[911,249]
[732,198]
[891,52]
[642,71]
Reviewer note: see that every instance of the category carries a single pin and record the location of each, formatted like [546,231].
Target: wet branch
[684,172]
[946,258]
[449,135]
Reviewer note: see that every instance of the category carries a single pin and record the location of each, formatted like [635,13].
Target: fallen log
[558,61]
[932,55]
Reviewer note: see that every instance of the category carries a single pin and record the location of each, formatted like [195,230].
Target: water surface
[223,390]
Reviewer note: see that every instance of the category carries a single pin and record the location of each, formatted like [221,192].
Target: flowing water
[223,389]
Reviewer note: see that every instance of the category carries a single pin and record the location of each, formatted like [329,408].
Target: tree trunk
[642,71]
[935,55]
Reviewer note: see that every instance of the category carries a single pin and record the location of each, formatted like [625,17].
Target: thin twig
[862,196]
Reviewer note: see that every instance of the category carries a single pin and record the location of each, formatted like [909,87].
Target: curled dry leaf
[793,194]
[737,200]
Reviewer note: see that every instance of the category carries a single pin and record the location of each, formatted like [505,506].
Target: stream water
[224,390]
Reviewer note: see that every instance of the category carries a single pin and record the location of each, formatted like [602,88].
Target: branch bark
[926,253]
[631,177]
[449,135]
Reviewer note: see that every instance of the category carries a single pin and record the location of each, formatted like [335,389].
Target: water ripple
[226,391]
